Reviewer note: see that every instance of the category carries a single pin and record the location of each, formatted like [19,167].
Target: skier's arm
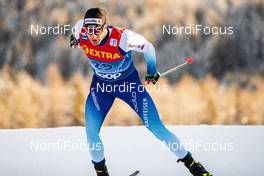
[131,41]
[74,40]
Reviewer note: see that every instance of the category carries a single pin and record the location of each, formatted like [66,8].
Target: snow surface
[224,150]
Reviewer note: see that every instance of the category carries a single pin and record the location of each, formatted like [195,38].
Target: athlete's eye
[94,30]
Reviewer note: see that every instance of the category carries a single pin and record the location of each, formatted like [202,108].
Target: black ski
[134,173]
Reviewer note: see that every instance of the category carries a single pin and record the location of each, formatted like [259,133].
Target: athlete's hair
[96,13]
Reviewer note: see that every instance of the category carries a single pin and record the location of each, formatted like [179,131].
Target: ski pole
[188,60]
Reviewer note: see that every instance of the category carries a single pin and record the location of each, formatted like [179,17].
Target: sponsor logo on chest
[101,54]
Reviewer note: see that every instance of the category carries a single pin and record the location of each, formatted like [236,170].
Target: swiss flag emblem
[113,42]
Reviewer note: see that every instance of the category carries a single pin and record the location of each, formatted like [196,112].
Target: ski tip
[135,173]
[189,60]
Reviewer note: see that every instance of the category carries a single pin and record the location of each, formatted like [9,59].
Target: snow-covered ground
[224,150]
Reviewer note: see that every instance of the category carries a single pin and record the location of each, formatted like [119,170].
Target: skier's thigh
[96,108]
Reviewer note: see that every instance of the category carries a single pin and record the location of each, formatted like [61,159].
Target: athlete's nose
[93,36]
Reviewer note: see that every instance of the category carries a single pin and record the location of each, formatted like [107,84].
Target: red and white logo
[92,21]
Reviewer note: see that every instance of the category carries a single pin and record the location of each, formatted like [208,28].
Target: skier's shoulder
[131,40]
[116,29]
[129,35]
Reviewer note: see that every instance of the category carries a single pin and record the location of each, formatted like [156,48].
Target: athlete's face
[95,34]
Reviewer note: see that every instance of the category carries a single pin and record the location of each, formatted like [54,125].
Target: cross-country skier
[109,50]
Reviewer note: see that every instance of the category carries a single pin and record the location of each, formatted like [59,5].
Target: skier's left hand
[152,78]
[74,42]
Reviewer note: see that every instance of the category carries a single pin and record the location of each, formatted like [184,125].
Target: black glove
[152,78]
[74,42]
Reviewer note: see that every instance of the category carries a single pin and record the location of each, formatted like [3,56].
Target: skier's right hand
[74,42]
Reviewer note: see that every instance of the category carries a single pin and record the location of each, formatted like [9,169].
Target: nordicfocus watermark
[63,145]
[63,29]
[130,87]
[191,145]
[59,29]
[195,145]
[197,29]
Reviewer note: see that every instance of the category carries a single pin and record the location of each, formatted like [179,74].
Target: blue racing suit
[113,66]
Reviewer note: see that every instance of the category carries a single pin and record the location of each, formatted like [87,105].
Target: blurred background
[44,83]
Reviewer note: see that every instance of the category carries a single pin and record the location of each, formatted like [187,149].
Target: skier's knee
[159,131]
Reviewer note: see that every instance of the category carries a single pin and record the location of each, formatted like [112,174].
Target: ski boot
[100,168]
[194,167]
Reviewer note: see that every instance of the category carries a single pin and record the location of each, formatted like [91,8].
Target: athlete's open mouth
[95,41]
